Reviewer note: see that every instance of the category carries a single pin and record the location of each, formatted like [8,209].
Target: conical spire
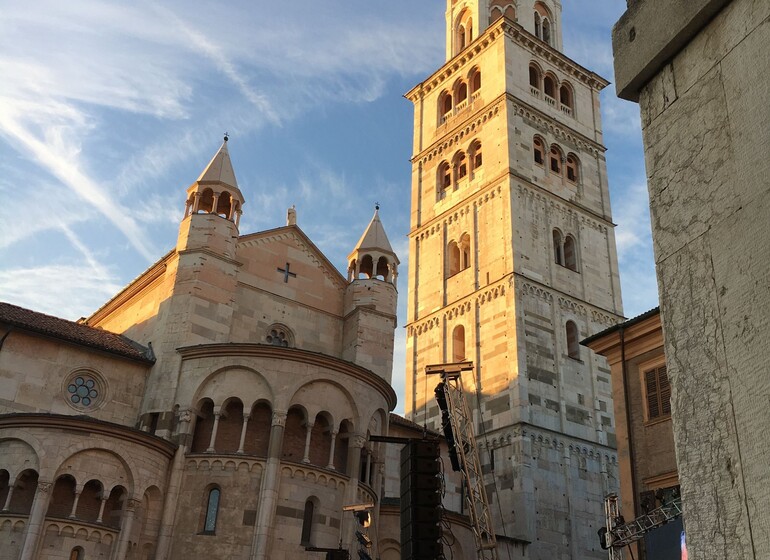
[374,238]
[216,190]
[220,168]
[373,257]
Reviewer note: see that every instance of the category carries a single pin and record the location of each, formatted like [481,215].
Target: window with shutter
[658,393]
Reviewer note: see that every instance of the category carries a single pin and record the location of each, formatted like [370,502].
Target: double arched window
[500,8]
[565,250]
[463,34]
[458,255]
[543,23]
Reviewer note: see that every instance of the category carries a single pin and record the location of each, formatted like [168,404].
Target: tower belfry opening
[513,260]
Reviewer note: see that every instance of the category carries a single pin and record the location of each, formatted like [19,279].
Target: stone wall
[705,123]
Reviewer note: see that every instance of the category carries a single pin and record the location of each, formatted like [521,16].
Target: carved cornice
[557,204]
[453,214]
[566,302]
[549,125]
[268,351]
[88,427]
[458,308]
[464,132]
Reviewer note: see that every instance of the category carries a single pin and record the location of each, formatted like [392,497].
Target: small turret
[213,209]
[216,190]
[373,256]
[370,301]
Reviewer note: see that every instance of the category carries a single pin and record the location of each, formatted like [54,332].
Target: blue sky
[109,110]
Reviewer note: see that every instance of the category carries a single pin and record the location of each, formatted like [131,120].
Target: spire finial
[376,205]
[227,137]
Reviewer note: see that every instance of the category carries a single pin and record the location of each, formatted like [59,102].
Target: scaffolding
[621,534]
[467,459]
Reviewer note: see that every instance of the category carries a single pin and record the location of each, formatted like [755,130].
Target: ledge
[650,34]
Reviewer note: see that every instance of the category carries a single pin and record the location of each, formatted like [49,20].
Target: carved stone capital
[279,419]
[44,487]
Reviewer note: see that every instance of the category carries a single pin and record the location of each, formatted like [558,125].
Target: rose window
[83,391]
[277,338]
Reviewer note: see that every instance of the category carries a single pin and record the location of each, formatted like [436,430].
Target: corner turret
[213,208]
[370,301]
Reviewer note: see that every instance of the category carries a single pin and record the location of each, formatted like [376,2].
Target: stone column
[308,433]
[36,519]
[163,549]
[126,525]
[368,473]
[215,203]
[246,417]
[8,497]
[101,508]
[268,492]
[196,202]
[212,441]
[78,491]
[331,450]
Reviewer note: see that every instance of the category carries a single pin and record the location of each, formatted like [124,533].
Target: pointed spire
[220,168]
[374,237]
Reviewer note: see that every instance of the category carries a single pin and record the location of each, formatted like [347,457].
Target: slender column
[246,417]
[36,519]
[368,473]
[101,508]
[238,217]
[163,549]
[212,441]
[331,450]
[268,493]
[196,202]
[308,433]
[126,524]
[78,491]
[8,498]
[214,204]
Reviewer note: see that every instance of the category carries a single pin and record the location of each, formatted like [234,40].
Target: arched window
[458,344]
[366,269]
[461,166]
[549,86]
[570,253]
[555,160]
[546,31]
[77,554]
[534,77]
[565,96]
[465,251]
[212,510]
[453,259]
[495,13]
[462,92]
[573,173]
[538,27]
[558,249]
[224,204]
[476,156]
[444,179]
[463,31]
[538,151]
[307,523]
[206,201]
[445,106]
[573,342]
[475,81]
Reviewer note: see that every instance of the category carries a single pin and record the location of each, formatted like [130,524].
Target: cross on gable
[286,273]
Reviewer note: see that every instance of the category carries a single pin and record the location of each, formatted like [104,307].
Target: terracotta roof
[55,327]
[401,421]
[646,315]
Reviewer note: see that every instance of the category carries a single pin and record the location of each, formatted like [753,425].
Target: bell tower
[512,262]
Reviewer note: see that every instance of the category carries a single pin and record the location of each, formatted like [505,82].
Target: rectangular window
[658,393]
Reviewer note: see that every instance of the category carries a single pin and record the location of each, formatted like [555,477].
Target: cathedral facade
[513,262]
